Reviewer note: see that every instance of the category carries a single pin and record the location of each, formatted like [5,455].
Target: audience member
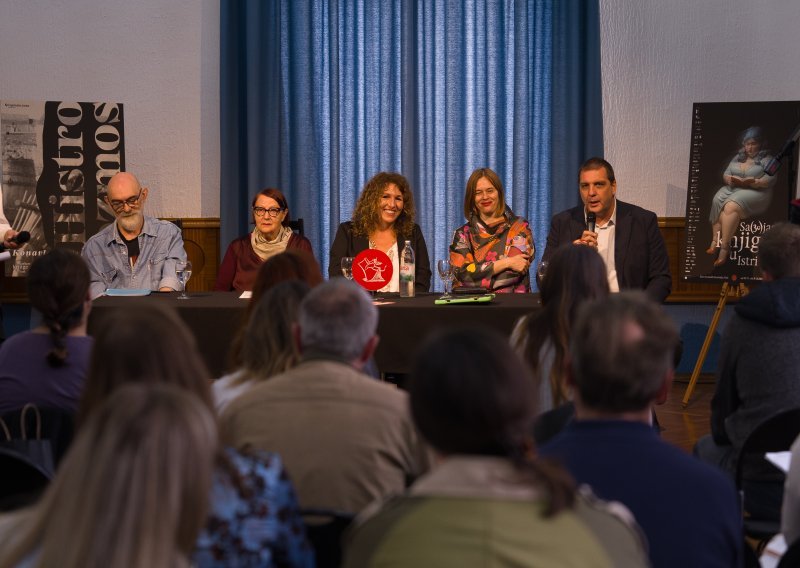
[136,251]
[271,236]
[575,274]
[290,265]
[626,236]
[346,438]
[621,353]
[383,219]
[47,365]
[253,518]
[493,250]
[757,376]
[267,346]
[132,491]
[488,501]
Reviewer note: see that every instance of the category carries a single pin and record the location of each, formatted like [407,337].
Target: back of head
[133,490]
[779,251]
[292,264]
[574,274]
[621,351]
[267,345]
[58,284]
[470,394]
[143,344]
[337,318]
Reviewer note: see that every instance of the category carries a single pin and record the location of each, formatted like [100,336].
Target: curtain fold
[319,95]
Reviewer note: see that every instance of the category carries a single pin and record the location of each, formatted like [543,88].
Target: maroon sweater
[240,266]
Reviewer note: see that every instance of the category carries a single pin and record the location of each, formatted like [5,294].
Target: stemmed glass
[108,278]
[183,270]
[541,270]
[347,267]
[446,273]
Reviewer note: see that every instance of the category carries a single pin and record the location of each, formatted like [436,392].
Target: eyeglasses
[118,205]
[273,212]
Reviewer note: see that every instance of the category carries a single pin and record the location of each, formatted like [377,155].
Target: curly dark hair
[366,214]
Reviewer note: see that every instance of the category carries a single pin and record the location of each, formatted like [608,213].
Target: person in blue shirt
[621,353]
[135,251]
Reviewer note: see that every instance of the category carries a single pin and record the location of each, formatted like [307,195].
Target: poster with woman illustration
[732,199]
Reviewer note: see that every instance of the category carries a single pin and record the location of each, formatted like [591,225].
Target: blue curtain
[319,95]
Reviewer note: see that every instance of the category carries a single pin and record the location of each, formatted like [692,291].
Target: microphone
[21,238]
[774,164]
[591,219]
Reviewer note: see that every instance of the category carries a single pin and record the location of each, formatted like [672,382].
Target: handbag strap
[23,429]
[5,429]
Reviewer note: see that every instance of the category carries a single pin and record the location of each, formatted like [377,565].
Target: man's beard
[131,222]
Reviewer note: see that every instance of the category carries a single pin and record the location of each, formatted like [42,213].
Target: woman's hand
[518,263]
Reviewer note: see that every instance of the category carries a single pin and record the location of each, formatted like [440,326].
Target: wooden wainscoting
[673,230]
[201,239]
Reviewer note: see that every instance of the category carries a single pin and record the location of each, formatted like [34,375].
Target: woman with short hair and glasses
[271,235]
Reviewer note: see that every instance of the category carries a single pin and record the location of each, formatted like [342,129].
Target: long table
[215,317]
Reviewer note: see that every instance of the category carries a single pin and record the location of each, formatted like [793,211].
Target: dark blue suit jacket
[640,255]
[688,510]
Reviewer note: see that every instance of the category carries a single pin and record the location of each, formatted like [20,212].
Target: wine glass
[541,270]
[183,270]
[108,278]
[347,267]
[446,273]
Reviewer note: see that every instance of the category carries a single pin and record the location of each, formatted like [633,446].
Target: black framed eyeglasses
[118,205]
[273,211]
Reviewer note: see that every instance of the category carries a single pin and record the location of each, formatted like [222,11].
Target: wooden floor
[683,427]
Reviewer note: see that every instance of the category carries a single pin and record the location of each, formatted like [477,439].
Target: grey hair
[622,348]
[779,251]
[338,318]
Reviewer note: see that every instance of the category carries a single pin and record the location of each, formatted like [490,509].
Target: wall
[159,58]
[660,56]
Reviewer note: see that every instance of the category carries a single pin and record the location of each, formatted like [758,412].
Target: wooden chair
[297,226]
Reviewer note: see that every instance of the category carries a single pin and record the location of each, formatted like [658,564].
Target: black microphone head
[591,219]
[22,237]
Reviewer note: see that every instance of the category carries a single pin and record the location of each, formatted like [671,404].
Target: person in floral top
[493,250]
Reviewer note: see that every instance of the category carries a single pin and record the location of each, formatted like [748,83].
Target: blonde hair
[268,347]
[133,490]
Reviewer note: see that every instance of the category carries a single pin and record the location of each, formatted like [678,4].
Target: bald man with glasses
[135,251]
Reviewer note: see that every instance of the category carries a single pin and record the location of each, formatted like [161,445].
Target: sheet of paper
[780,459]
[246,295]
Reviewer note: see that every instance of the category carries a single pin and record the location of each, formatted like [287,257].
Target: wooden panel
[673,230]
[201,239]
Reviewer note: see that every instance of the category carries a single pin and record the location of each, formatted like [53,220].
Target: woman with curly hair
[383,219]
[747,192]
[493,250]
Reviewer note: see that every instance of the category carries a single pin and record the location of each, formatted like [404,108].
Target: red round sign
[372,269]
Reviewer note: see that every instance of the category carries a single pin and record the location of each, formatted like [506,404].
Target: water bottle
[407,271]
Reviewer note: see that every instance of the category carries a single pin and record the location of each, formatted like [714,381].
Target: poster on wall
[732,199]
[58,157]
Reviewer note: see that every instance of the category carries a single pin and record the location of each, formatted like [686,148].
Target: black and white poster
[58,157]
[732,199]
